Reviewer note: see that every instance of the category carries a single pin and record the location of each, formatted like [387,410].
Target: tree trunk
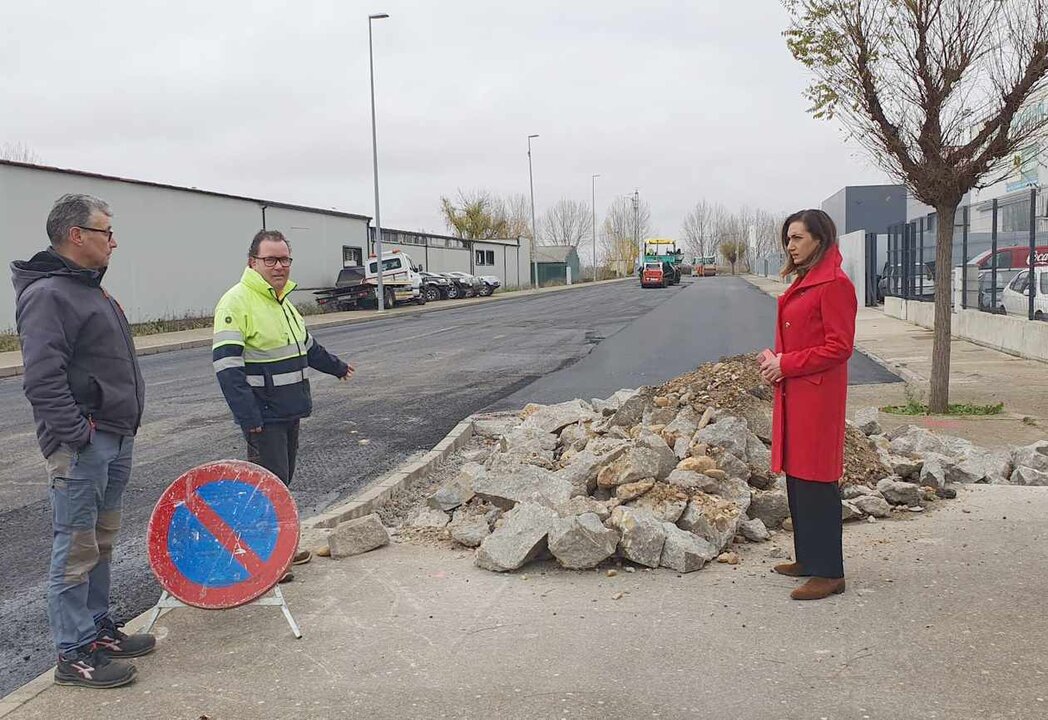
[939,398]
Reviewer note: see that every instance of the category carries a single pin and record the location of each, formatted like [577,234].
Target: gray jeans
[87,489]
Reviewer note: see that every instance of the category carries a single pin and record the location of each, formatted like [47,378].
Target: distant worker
[814,337]
[261,352]
[84,384]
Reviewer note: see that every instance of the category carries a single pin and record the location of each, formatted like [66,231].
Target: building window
[1015,217]
[436,242]
[485,257]
[352,256]
[456,244]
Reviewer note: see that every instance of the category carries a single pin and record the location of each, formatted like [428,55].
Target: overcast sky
[683,99]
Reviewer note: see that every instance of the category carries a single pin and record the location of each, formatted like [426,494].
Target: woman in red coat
[814,338]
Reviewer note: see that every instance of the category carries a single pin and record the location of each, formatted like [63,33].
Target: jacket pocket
[814,378]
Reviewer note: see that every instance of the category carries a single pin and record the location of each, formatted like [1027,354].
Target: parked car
[356,286]
[922,288]
[491,284]
[469,285]
[1016,256]
[1015,300]
[436,287]
[991,301]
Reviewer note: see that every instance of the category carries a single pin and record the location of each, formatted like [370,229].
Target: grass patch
[8,342]
[952,409]
[915,405]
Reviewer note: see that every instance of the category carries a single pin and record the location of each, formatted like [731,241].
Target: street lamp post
[534,234]
[593,221]
[374,152]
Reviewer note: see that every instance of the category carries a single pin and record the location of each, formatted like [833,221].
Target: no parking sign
[222,534]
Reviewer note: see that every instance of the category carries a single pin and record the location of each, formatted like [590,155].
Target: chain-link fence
[1000,257]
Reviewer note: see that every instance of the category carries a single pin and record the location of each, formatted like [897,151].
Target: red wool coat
[815,333]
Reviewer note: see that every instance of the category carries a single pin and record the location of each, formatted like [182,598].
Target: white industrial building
[180,248]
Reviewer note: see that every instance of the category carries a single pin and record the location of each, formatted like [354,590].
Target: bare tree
[18,152]
[518,216]
[938,91]
[621,229]
[568,222]
[697,229]
[475,215]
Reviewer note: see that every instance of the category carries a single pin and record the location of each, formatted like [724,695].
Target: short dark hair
[256,242]
[70,211]
[821,227]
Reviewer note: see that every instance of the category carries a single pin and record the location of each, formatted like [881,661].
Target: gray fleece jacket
[81,370]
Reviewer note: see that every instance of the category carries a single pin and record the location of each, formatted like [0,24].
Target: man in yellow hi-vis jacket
[261,353]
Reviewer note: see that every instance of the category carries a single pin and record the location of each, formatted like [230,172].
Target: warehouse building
[508,259]
[180,248]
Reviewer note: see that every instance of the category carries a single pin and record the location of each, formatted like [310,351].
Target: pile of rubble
[672,476]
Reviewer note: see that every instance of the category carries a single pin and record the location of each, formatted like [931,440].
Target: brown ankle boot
[791,569]
[818,588]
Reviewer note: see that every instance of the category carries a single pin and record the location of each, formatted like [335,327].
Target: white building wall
[511,262]
[178,250]
[853,248]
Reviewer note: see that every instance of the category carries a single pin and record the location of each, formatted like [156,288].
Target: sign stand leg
[166,602]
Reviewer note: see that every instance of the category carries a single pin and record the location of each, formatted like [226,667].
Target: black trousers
[817,526]
[275,448]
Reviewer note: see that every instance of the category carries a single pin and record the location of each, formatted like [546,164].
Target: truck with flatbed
[356,286]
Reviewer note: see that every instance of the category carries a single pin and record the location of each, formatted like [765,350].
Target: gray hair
[70,211]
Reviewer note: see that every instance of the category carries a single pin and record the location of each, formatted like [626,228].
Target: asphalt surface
[417,376]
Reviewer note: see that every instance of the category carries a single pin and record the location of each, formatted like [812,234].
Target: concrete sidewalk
[11,362]
[941,620]
[977,375]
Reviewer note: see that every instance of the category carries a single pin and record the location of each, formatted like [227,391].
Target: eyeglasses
[272,261]
[107,233]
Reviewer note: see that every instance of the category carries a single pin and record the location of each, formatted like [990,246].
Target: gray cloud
[682,99]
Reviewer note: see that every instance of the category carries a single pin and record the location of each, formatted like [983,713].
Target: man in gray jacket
[83,381]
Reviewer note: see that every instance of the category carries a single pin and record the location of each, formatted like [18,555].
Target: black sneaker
[91,668]
[117,645]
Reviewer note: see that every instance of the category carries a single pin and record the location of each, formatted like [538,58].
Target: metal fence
[1000,257]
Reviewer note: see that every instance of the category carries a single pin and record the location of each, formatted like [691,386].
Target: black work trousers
[817,526]
[275,448]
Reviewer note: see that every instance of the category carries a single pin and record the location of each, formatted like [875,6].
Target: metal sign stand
[166,601]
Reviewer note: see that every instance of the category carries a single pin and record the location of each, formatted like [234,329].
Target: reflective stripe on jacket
[261,352]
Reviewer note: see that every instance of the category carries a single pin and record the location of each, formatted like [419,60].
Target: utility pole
[380,295]
[636,226]
[593,222]
[534,234]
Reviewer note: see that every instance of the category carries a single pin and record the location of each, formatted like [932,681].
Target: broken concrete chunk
[868,421]
[642,535]
[897,492]
[633,490]
[357,536]
[554,418]
[582,541]
[664,501]
[872,505]
[684,551]
[428,517]
[508,484]
[521,537]
[713,518]
[771,506]
[754,530]
[637,463]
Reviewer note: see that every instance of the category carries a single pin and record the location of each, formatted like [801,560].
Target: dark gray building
[872,208]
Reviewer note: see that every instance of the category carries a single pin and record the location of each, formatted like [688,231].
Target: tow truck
[357,287]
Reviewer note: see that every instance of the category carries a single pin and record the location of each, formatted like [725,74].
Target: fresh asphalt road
[417,376]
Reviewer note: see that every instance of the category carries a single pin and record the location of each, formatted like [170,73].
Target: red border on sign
[175,496]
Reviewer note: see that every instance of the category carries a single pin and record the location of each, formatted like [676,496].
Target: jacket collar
[257,283]
[824,272]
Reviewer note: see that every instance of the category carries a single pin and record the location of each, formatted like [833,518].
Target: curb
[15,370]
[378,494]
[368,501]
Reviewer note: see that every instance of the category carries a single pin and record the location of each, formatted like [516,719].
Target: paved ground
[417,377]
[942,620]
